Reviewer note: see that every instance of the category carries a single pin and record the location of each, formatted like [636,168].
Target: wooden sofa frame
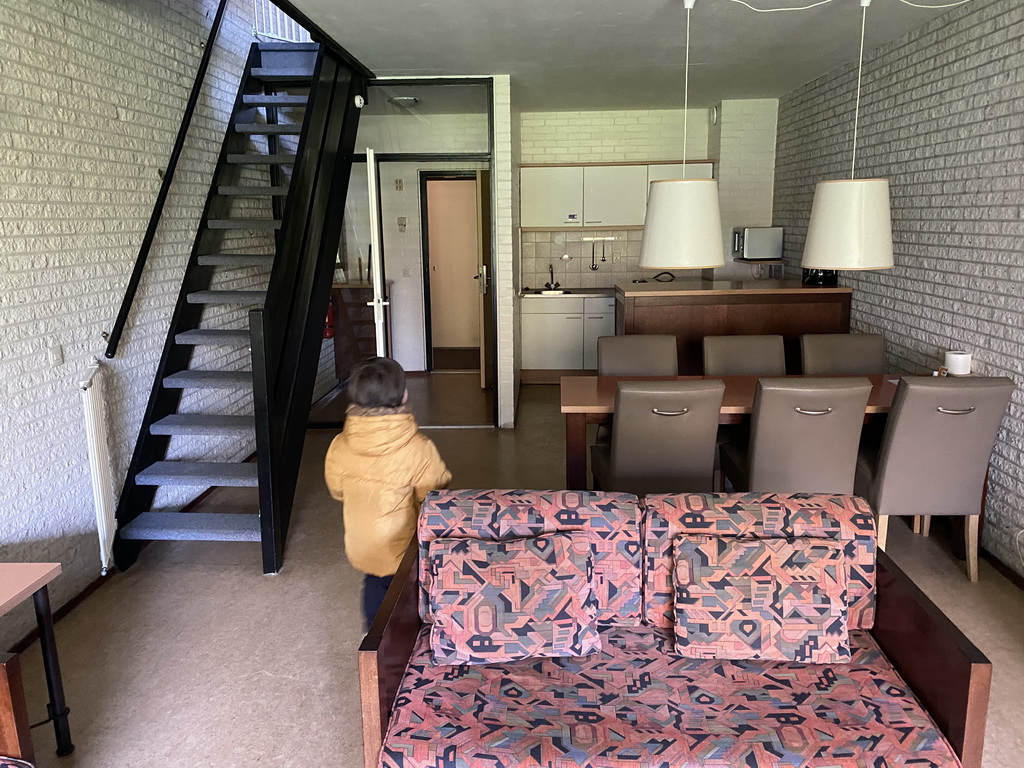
[945,670]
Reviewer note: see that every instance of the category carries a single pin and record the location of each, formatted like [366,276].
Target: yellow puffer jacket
[381,467]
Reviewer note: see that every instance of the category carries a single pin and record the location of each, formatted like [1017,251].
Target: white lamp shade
[683,226]
[850,226]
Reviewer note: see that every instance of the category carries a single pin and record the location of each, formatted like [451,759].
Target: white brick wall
[93,93]
[413,132]
[743,148]
[505,209]
[942,118]
[612,136]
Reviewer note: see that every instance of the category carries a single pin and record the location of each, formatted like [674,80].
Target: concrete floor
[194,658]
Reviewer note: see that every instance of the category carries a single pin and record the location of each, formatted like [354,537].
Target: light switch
[55,354]
[406,273]
[402,221]
[399,185]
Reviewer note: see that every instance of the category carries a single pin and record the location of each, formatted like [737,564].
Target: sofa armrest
[945,670]
[385,651]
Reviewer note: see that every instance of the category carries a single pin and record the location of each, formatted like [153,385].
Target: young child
[381,466]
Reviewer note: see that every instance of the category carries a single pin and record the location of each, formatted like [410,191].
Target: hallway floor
[194,658]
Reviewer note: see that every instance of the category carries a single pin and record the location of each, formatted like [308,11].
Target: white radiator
[99,461]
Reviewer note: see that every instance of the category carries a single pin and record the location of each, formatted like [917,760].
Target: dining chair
[664,438]
[934,453]
[804,435]
[637,355]
[744,356]
[842,353]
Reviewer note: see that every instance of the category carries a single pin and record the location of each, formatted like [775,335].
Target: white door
[376,256]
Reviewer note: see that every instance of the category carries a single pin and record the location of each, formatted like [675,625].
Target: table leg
[576,451]
[56,709]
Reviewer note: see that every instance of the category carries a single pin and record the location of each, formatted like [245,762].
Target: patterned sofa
[880,680]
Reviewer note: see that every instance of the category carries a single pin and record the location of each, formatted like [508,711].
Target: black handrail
[114,338]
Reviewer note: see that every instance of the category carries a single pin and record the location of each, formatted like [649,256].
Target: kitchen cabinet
[551,196]
[560,333]
[664,171]
[614,195]
[598,321]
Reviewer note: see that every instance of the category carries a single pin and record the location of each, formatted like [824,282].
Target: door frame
[425,178]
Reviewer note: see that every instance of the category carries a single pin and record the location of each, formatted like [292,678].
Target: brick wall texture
[942,118]
[92,96]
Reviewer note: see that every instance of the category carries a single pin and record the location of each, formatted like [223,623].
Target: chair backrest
[637,355]
[744,356]
[842,353]
[804,434]
[937,445]
[664,436]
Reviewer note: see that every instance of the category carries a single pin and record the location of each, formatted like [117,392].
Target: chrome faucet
[552,285]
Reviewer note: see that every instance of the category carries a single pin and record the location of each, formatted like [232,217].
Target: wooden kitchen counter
[693,309]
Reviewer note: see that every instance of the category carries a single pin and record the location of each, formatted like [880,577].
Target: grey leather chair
[804,435]
[744,356]
[842,353]
[934,453]
[637,355]
[664,438]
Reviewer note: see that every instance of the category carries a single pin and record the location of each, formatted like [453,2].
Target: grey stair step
[227,297]
[203,337]
[281,75]
[251,190]
[274,100]
[208,379]
[289,46]
[204,473]
[243,224]
[202,424]
[193,526]
[270,129]
[235,259]
[249,158]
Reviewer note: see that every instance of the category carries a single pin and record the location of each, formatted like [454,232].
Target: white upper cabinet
[551,196]
[664,171]
[614,195]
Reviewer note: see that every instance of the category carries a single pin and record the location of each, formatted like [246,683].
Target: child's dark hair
[377,383]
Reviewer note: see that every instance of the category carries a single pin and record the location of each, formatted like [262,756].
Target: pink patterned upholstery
[637,705]
[782,599]
[610,520]
[495,601]
[847,519]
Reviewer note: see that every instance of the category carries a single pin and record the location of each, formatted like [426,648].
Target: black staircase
[279,188]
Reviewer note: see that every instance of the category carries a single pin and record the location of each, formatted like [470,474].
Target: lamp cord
[686,88]
[856,109]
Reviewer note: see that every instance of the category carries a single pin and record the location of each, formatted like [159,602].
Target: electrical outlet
[616,259]
[55,354]
[406,273]
[399,185]
[402,223]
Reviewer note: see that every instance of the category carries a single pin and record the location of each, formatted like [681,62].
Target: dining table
[591,400]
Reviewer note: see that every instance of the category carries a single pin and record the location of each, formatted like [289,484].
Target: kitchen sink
[556,292]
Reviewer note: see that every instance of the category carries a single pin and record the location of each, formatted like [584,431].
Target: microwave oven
[757,243]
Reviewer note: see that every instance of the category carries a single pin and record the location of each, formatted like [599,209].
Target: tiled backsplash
[539,249]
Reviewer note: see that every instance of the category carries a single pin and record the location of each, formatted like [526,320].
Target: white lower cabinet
[560,333]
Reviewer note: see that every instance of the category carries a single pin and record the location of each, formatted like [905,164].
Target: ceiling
[612,54]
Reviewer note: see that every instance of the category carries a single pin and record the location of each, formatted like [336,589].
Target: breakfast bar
[694,309]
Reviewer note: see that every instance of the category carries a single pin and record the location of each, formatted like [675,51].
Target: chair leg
[917,523]
[971,527]
[881,530]
[926,525]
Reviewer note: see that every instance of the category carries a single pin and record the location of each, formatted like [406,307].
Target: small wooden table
[17,582]
[591,400]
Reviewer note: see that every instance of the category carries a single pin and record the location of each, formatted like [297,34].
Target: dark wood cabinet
[692,310]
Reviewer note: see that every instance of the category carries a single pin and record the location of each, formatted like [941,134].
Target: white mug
[958,363]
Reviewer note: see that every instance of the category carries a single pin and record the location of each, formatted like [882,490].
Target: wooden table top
[19,580]
[596,394]
[687,287]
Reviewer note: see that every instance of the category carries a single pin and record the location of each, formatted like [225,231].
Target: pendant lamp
[851,224]
[683,225]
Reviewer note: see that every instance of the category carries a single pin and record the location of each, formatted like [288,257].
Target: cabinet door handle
[806,412]
[574,317]
[595,221]
[955,411]
[596,317]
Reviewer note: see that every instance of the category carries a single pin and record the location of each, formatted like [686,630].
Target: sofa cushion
[847,519]
[610,520]
[638,705]
[782,599]
[498,601]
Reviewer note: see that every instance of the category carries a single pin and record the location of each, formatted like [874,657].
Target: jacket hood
[379,435]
